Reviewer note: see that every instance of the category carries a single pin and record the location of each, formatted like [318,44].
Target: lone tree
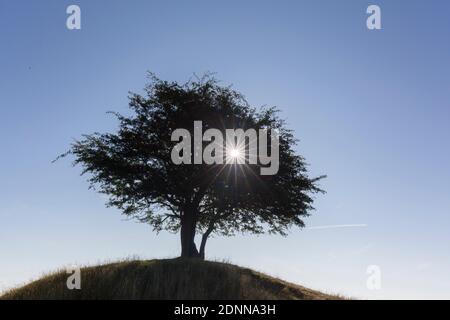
[134,167]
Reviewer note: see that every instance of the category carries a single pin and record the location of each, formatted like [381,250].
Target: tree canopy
[134,167]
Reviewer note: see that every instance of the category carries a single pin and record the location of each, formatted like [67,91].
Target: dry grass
[166,279]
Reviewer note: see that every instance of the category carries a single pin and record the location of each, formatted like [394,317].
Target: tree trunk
[202,245]
[206,235]
[187,233]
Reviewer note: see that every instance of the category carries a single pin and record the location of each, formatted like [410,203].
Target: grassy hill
[165,279]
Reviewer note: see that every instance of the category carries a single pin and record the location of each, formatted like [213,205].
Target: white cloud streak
[335,226]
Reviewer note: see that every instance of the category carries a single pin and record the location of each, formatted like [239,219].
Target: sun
[235,153]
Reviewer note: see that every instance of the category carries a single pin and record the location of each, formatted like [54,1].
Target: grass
[166,279]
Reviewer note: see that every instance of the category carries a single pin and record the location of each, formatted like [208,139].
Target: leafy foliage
[133,166]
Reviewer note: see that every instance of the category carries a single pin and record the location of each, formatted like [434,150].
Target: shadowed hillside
[165,279]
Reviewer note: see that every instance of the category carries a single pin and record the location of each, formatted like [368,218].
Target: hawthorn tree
[134,168]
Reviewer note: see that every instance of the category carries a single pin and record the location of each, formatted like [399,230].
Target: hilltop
[166,279]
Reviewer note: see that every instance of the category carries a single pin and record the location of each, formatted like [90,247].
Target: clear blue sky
[371,109]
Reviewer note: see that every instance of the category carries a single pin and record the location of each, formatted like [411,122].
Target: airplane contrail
[334,226]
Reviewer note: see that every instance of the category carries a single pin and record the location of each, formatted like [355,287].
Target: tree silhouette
[133,166]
